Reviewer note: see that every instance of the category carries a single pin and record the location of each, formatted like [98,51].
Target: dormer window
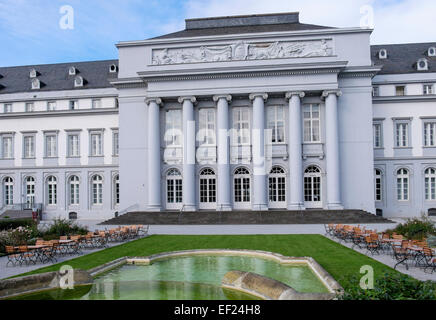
[383,54]
[113,68]
[36,84]
[431,52]
[32,73]
[72,71]
[78,82]
[422,65]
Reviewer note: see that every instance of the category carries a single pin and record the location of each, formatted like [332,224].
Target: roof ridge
[59,63]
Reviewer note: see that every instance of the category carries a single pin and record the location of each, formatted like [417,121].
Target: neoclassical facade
[254,113]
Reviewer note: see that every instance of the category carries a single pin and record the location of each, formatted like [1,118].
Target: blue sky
[30,32]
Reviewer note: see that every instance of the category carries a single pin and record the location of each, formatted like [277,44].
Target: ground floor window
[97,190]
[430,184]
[312,185]
[402,185]
[174,187]
[8,187]
[242,185]
[277,185]
[52,189]
[74,190]
[207,186]
[117,189]
[378,185]
[30,191]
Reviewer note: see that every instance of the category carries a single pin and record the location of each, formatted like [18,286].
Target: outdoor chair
[372,245]
[401,254]
[13,257]
[27,256]
[48,253]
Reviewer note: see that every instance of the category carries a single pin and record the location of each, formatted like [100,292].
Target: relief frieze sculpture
[242,50]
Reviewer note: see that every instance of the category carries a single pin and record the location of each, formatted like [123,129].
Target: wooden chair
[13,257]
[373,246]
[26,255]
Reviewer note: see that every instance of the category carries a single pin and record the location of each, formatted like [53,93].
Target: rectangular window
[96,145]
[30,107]
[173,128]
[377,128]
[74,105]
[311,125]
[428,89]
[116,147]
[29,147]
[276,123]
[7,108]
[402,134]
[51,106]
[74,193]
[400,90]
[96,104]
[51,146]
[73,145]
[241,126]
[7,150]
[429,134]
[375,91]
[206,127]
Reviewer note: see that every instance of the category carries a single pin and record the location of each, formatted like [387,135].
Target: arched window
[97,190]
[312,187]
[242,185]
[378,185]
[74,190]
[117,190]
[174,187]
[430,184]
[402,185]
[30,192]
[8,187]
[207,187]
[52,190]
[277,186]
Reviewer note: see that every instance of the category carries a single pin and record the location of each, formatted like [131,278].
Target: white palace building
[255,112]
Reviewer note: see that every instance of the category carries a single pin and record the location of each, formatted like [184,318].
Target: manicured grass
[341,262]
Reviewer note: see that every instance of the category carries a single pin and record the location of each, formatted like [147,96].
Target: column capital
[217,97]
[326,93]
[190,98]
[158,101]
[290,94]
[255,95]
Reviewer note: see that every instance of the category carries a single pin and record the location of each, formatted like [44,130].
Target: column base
[259,207]
[153,208]
[296,207]
[189,208]
[224,207]
[335,206]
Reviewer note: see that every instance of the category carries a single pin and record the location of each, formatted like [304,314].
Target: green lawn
[341,262]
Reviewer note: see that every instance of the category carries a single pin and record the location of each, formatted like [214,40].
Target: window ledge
[95,156]
[73,157]
[400,148]
[429,147]
[34,158]
[51,158]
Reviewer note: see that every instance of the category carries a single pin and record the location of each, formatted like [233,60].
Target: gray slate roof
[402,58]
[55,76]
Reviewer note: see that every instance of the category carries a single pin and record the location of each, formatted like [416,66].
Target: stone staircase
[246,217]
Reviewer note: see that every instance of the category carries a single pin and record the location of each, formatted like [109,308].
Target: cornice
[61,113]
[404,99]
[128,83]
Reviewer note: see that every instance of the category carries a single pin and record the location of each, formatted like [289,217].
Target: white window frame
[29,149]
[428,89]
[403,184]
[8,193]
[206,133]
[51,147]
[310,123]
[74,190]
[115,142]
[376,91]
[73,105]
[402,133]
[96,149]
[7,149]
[29,185]
[97,190]
[174,189]
[377,134]
[430,184]
[116,190]
[240,178]
[51,106]
[7,108]
[96,104]
[429,128]
[275,116]
[29,107]
[52,186]
[397,90]
[241,126]
[173,128]
[378,185]
[207,188]
[277,187]
[73,151]
[312,187]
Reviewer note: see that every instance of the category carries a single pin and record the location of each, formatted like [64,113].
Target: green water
[186,278]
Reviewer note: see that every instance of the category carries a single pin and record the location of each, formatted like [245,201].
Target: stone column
[224,202]
[332,149]
[260,188]
[154,158]
[189,183]
[295,145]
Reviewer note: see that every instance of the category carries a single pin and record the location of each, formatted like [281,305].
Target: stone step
[247,217]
